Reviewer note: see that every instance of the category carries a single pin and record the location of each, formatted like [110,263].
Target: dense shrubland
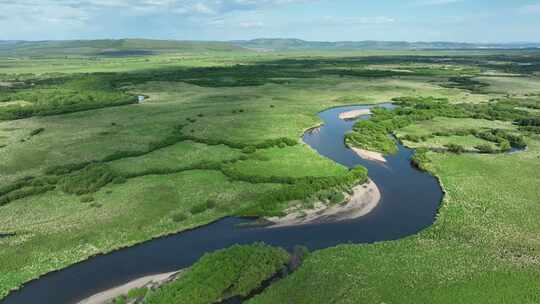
[223,274]
[465,83]
[370,135]
[51,97]
[373,134]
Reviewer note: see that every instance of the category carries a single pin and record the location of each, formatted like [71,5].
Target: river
[409,203]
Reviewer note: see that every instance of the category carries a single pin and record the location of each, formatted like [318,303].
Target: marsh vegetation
[219,136]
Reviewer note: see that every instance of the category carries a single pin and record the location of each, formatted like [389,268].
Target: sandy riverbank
[148,281]
[363,200]
[354,114]
[369,155]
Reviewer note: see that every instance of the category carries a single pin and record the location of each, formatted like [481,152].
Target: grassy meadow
[483,247]
[86,169]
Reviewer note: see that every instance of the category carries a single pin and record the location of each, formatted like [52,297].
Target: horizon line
[275,38]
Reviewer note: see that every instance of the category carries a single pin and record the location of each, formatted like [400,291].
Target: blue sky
[328,20]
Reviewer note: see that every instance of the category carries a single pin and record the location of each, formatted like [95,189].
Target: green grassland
[220,135]
[483,247]
[292,162]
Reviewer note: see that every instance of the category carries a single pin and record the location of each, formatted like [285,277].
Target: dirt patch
[363,200]
[150,282]
[350,115]
[369,155]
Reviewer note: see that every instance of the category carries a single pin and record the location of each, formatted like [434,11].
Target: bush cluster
[302,189]
[223,274]
[373,134]
[420,159]
[202,207]
[454,148]
[64,96]
[36,131]
[179,217]
[88,180]
[25,187]
[485,148]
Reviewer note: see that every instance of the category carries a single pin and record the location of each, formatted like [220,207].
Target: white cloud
[57,18]
[178,6]
[251,24]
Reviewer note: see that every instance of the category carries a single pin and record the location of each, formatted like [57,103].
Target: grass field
[483,247]
[220,134]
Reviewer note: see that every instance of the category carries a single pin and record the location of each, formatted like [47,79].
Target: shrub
[529,121]
[454,148]
[87,199]
[485,148]
[336,197]
[179,217]
[26,181]
[66,169]
[37,131]
[211,204]
[119,180]
[505,145]
[88,180]
[249,149]
[360,173]
[119,300]
[413,138]
[137,293]
[199,208]
[420,159]
[24,192]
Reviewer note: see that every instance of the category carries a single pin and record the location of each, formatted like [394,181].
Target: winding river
[409,203]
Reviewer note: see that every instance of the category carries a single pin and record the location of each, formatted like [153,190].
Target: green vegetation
[57,96]
[417,115]
[372,136]
[481,249]
[219,135]
[235,271]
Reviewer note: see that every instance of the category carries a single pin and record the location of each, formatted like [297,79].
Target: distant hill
[110,47]
[299,45]
[135,47]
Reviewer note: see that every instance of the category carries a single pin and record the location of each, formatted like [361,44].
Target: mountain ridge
[134,47]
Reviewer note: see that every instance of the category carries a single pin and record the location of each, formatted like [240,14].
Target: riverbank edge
[157,280]
[364,199]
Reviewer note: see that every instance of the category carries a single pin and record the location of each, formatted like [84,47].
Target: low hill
[140,47]
[299,45]
[110,47]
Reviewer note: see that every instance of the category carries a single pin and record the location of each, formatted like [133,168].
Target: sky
[318,20]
